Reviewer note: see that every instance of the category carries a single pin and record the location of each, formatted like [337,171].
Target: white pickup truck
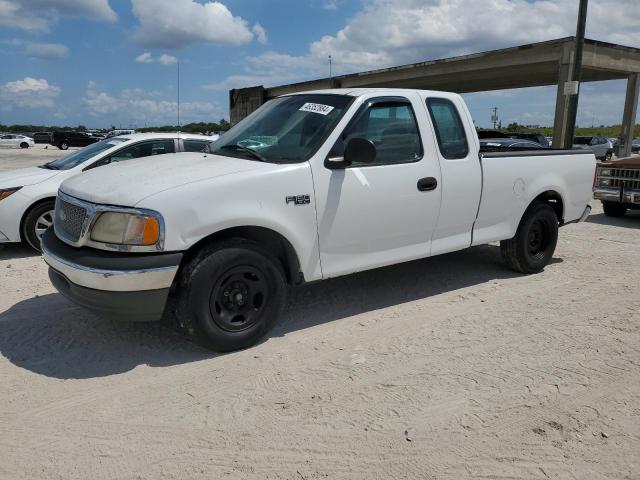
[310,186]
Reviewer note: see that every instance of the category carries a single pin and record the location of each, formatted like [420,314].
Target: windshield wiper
[250,151]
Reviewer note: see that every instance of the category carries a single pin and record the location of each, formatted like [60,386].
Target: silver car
[600,146]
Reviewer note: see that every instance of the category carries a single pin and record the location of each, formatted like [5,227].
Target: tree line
[195,127]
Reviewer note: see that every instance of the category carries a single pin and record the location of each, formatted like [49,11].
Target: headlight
[605,182]
[126,229]
[7,192]
[605,172]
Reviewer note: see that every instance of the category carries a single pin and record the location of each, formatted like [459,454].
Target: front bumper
[122,286]
[613,194]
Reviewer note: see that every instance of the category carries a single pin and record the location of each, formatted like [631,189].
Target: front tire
[535,241]
[36,222]
[613,209]
[230,295]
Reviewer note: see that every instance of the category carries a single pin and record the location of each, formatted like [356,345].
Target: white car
[14,140]
[310,186]
[27,195]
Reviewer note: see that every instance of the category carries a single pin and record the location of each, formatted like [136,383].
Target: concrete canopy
[536,64]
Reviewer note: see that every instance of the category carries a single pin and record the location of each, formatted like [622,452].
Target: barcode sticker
[316,108]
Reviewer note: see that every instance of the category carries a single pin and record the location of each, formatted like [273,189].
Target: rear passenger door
[377,214]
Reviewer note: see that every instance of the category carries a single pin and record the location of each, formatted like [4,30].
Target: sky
[115,62]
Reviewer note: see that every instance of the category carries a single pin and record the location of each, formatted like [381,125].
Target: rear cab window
[452,139]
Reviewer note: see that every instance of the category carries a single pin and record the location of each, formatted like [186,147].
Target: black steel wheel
[230,295]
[531,249]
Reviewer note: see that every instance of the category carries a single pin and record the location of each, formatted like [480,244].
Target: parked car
[119,132]
[14,140]
[63,140]
[342,181]
[600,146]
[617,185]
[533,137]
[42,137]
[27,195]
[635,145]
[549,141]
[497,144]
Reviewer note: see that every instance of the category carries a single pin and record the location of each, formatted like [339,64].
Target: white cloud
[395,32]
[38,15]
[179,23]
[144,58]
[140,106]
[164,59]
[167,59]
[28,93]
[260,33]
[46,51]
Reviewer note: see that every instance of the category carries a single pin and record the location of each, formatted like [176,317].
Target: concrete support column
[243,101]
[629,116]
[562,98]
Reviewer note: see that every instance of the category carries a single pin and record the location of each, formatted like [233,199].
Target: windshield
[285,129]
[84,154]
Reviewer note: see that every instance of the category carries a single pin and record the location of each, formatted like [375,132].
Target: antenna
[178,96]
[330,72]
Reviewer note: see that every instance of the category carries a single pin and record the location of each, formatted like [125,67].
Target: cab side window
[144,149]
[195,145]
[452,139]
[392,127]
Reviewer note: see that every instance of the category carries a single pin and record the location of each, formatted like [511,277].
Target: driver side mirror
[358,150]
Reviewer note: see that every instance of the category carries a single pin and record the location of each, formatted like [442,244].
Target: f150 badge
[298,199]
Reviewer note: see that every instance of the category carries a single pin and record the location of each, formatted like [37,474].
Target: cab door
[380,213]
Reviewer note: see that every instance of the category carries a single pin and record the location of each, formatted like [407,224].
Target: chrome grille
[69,219]
[625,177]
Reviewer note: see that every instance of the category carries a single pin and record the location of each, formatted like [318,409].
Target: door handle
[427,184]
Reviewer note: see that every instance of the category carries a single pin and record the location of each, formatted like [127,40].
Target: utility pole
[573,87]
[494,117]
[330,73]
[178,95]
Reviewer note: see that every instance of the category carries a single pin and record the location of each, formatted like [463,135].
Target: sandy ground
[12,158]
[451,367]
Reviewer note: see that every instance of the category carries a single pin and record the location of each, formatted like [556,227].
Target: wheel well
[554,200]
[272,241]
[28,210]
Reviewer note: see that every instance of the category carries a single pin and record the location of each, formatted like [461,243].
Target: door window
[144,149]
[195,145]
[452,139]
[391,126]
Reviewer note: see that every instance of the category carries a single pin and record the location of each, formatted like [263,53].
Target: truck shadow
[50,336]
[630,220]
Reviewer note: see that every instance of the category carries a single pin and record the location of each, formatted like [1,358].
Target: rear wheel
[63,146]
[24,145]
[535,241]
[230,295]
[613,209]
[37,221]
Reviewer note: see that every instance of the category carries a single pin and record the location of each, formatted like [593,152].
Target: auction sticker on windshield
[316,108]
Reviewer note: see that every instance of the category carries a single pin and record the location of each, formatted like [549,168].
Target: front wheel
[535,241]
[230,295]
[36,222]
[24,145]
[613,209]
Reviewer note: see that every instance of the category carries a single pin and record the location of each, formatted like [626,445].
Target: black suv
[64,140]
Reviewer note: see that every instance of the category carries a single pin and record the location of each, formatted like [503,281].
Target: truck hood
[25,176]
[127,183]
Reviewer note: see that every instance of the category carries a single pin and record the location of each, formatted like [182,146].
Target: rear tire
[230,295]
[36,222]
[613,209]
[63,146]
[24,145]
[531,249]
